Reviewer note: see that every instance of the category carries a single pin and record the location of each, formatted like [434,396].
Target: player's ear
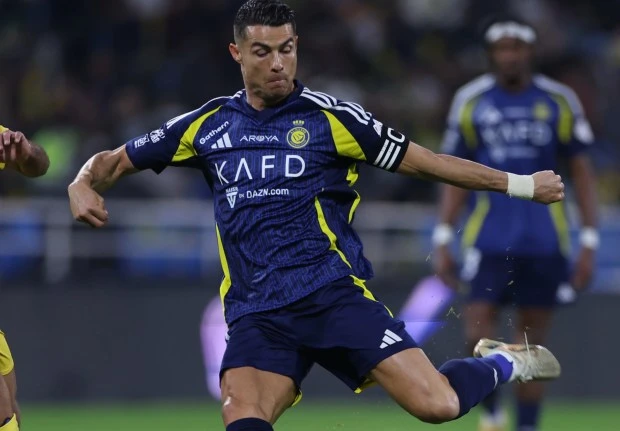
[234,52]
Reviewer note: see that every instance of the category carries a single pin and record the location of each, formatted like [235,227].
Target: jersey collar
[266,113]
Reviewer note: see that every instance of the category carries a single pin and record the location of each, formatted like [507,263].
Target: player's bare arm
[544,187]
[22,155]
[96,176]
[585,196]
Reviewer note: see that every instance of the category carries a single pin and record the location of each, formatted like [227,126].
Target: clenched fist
[87,205]
[548,187]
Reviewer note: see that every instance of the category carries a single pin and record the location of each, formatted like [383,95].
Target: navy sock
[249,424]
[502,365]
[473,379]
[527,415]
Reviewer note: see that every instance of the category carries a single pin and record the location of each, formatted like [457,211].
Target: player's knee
[440,409]
[434,403]
[233,409]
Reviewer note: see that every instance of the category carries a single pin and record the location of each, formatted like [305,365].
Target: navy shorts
[516,281]
[338,327]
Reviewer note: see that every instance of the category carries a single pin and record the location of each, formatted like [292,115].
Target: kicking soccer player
[281,161]
[515,251]
[19,154]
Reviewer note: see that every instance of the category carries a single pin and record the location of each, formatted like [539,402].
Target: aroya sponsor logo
[259,138]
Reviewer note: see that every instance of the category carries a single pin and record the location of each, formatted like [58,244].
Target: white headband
[510,29]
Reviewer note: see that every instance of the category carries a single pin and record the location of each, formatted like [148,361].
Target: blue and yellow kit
[521,133]
[282,182]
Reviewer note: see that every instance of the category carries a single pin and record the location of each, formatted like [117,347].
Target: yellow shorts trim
[6,359]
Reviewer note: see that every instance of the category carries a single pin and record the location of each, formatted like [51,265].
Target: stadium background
[105,325]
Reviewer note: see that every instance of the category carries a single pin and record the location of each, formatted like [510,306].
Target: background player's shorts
[337,327]
[6,360]
[517,281]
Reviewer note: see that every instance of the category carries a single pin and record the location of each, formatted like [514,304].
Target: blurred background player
[515,252]
[21,155]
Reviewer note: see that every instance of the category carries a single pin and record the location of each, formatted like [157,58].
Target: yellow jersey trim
[186,148]
[476,220]
[226,282]
[346,144]
[334,247]
[466,121]
[356,202]
[565,119]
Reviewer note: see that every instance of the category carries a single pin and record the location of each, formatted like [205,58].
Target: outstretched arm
[22,155]
[545,187]
[96,176]
[104,169]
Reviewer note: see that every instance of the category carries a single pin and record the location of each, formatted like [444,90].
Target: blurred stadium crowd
[80,77]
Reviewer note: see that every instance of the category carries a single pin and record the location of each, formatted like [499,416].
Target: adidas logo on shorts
[389,338]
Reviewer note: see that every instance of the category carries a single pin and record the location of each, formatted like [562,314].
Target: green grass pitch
[308,416]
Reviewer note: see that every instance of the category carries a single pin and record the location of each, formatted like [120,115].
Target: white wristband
[589,238]
[520,186]
[443,234]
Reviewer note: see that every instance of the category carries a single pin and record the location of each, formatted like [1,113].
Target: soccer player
[17,153]
[515,252]
[281,161]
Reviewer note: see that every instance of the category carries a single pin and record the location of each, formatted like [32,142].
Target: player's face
[268,59]
[512,58]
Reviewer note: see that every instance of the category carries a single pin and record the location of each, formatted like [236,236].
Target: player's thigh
[262,369]
[365,344]
[11,383]
[251,393]
[6,402]
[416,385]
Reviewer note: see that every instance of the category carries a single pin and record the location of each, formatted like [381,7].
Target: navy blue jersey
[282,183]
[521,133]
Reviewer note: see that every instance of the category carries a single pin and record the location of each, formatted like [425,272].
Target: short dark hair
[273,13]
